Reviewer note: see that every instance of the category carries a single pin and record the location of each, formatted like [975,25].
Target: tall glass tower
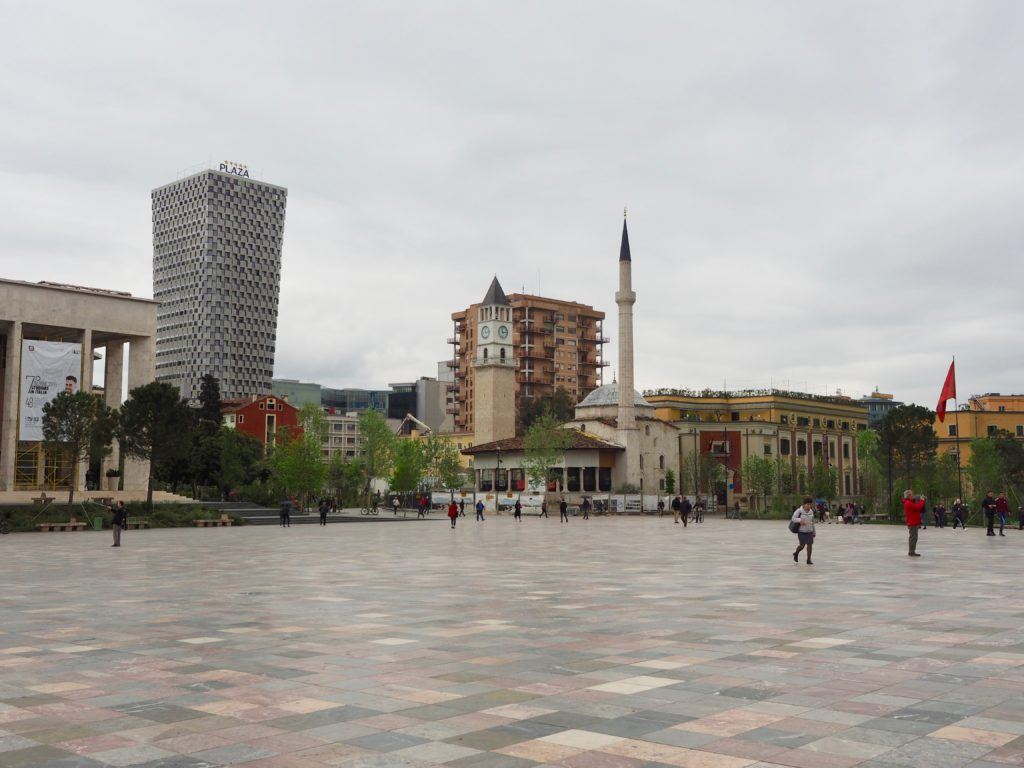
[217,239]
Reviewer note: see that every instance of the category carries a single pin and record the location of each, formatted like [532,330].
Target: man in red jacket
[912,509]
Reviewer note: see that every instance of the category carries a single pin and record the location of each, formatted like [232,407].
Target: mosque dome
[609,395]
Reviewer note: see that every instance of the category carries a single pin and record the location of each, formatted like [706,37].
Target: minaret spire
[625,298]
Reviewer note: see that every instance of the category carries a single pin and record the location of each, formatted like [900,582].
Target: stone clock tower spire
[625,297]
[494,369]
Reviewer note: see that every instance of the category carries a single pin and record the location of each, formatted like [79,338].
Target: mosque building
[617,442]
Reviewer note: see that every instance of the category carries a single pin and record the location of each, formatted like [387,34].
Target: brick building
[556,343]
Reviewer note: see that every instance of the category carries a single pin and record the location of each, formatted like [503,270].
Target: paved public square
[619,642]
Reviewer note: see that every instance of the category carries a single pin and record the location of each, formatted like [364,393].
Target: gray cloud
[823,194]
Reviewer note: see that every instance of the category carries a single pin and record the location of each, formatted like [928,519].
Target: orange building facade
[984,416]
[556,344]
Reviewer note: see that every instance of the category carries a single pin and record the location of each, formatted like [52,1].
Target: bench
[223,520]
[70,525]
[42,501]
[106,501]
[138,524]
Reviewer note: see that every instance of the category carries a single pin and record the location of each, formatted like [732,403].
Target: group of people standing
[683,510]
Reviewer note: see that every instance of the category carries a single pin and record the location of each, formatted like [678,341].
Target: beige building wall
[91,317]
[495,401]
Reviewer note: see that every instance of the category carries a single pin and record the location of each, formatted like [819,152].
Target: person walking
[563,511]
[685,508]
[804,516]
[479,510]
[543,509]
[1003,511]
[585,507]
[912,509]
[462,507]
[675,510]
[939,510]
[325,507]
[959,514]
[286,509]
[661,507]
[424,506]
[698,511]
[394,506]
[988,506]
[736,511]
[517,512]
[453,512]
[119,522]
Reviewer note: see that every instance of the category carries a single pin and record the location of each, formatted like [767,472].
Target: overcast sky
[821,194]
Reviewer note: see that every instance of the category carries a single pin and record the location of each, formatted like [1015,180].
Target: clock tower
[494,369]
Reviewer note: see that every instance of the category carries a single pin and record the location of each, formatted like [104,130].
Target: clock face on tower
[503,331]
[485,332]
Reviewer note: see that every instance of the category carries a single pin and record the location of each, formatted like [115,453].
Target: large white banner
[47,369]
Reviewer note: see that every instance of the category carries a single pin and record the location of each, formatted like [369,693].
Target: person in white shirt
[804,516]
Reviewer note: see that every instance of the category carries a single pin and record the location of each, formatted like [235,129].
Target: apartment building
[342,435]
[556,344]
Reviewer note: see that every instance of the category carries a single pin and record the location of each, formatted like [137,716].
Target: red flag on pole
[948,391]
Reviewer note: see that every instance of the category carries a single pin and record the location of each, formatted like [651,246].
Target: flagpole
[956,421]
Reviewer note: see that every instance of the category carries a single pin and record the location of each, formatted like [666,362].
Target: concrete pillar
[113,373]
[9,420]
[140,372]
[85,385]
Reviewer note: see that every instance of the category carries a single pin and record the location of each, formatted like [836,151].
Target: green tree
[544,446]
[785,484]
[560,405]
[407,465]
[907,430]
[156,425]
[207,443]
[377,445]
[985,467]
[239,461]
[872,470]
[345,479]
[78,424]
[702,473]
[940,478]
[823,480]
[443,468]
[670,482]
[297,464]
[759,476]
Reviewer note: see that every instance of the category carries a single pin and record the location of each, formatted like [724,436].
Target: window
[768,449]
[1020,430]
[647,429]
[572,479]
[802,421]
[952,430]
[845,425]
[661,484]
[846,452]
[641,461]
[263,407]
[604,479]
[816,447]
[734,416]
[589,479]
[993,430]
[784,419]
[241,419]
[830,424]
[661,462]
[801,447]
[817,422]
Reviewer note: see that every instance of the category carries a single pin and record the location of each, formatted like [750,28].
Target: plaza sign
[236,169]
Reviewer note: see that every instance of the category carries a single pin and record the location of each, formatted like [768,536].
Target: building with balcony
[556,343]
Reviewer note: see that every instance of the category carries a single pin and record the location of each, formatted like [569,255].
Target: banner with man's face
[47,369]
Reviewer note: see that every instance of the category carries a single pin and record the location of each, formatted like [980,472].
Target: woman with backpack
[802,524]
